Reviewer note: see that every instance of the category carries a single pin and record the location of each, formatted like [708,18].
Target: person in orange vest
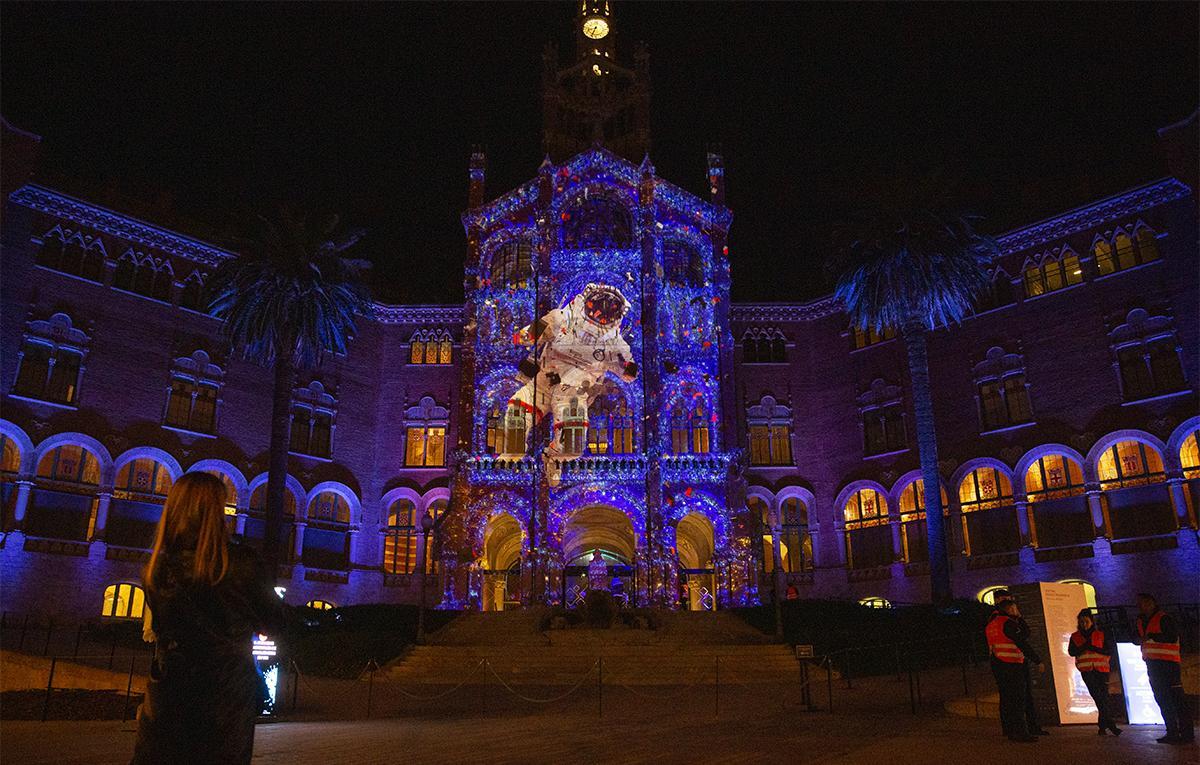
[1093,652]
[1159,639]
[1031,716]
[1009,650]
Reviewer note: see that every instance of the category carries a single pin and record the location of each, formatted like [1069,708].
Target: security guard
[1031,716]
[1093,651]
[1159,639]
[1009,650]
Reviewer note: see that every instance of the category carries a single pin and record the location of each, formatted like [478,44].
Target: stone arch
[342,490]
[582,496]
[24,446]
[1171,459]
[599,525]
[149,452]
[291,484]
[902,483]
[706,505]
[107,472]
[970,466]
[695,540]
[1106,441]
[433,495]
[764,494]
[853,487]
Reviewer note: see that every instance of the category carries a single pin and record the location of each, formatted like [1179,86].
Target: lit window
[400,539]
[915,534]
[123,601]
[795,542]
[985,488]
[875,602]
[868,537]
[330,507]
[865,337]
[70,464]
[430,347]
[1053,476]
[10,463]
[610,426]
[320,605]
[984,533]
[1126,255]
[1189,457]
[987,596]
[770,432]
[512,264]
[1129,463]
[690,425]
[1089,591]
[426,446]
[1055,272]
[143,479]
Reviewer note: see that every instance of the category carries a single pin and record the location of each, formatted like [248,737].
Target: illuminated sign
[1135,680]
[264,651]
[1061,603]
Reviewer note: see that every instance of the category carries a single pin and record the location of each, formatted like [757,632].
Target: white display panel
[1061,604]
[1139,699]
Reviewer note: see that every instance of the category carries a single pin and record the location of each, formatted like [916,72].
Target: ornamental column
[542,303]
[1184,519]
[102,501]
[24,488]
[298,541]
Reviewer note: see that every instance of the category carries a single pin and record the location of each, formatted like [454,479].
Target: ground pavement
[665,737]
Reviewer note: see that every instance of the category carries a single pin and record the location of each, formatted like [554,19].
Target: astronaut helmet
[604,305]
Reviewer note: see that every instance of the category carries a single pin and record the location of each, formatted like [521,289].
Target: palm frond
[290,292]
[914,268]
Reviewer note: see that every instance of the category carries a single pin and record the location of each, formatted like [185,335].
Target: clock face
[595,28]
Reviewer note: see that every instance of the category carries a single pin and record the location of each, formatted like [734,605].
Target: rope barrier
[551,700]
[438,696]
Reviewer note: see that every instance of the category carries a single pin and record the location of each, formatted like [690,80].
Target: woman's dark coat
[203,696]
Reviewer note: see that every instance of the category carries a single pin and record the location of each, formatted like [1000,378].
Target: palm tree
[288,299]
[914,272]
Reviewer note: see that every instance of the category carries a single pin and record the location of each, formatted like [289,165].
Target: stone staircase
[688,648]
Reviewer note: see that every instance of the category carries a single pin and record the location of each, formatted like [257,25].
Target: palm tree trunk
[918,372]
[277,470]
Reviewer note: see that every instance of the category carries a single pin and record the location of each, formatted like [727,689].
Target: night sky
[193,115]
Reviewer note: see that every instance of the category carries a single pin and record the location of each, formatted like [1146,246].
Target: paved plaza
[665,737]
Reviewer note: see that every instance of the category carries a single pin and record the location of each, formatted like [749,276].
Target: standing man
[1159,638]
[1030,709]
[1093,651]
[1009,651]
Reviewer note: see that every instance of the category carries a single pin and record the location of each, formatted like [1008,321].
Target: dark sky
[1024,110]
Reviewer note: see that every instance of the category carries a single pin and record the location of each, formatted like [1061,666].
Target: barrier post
[484,684]
[49,687]
[600,685]
[829,681]
[295,684]
[717,686]
[128,691]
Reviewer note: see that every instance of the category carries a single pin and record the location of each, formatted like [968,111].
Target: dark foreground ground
[664,736]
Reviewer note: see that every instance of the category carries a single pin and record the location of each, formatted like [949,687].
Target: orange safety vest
[999,644]
[1152,650]
[1090,661]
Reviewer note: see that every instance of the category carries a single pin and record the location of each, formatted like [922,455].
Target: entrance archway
[503,542]
[605,529]
[694,547]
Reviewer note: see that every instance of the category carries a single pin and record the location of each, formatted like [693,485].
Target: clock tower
[595,100]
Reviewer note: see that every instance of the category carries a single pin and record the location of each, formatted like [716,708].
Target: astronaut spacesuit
[573,348]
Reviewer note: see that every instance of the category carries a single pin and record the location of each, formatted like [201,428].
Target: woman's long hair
[193,518]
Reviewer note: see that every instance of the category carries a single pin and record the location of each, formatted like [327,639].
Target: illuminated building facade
[752,449]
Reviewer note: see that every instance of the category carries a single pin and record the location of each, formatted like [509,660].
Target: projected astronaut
[573,347]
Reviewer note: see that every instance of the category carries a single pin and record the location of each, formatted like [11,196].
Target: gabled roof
[587,166]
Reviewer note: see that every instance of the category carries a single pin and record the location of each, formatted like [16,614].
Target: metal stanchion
[829,681]
[128,691]
[600,685]
[49,687]
[717,686]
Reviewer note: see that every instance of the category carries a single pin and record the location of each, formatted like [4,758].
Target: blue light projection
[600,219]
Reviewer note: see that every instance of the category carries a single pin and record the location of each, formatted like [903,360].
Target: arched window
[875,601]
[125,273]
[1189,456]
[430,347]
[329,507]
[51,360]
[998,294]
[1129,463]
[573,425]
[258,501]
[988,515]
[1060,516]
[51,252]
[164,281]
[1147,243]
[597,222]
[795,542]
[1053,476]
[1089,591]
[690,426]
[192,297]
[1103,253]
[507,427]
[512,264]
[865,337]
[1054,272]
[770,426]
[1148,356]
[682,265]
[320,605]
[400,538]
[915,536]
[987,595]
[868,538]
[1126,256]
[610,426]
[144,278]
[432,549]
[231,498]
[143,478]
[10,455]
[762,513]
[63,506]
[123,601]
